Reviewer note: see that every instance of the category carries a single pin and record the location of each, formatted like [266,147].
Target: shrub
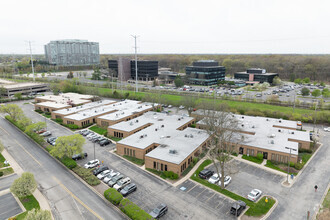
[59,120]
[260,156]
[298,166]
[133,211]
[171,175]
[302,150]
[48,113]
[1,173]
[68,162]
[39,111]
[113,196]
[86,175]
[72,126]
[292,164]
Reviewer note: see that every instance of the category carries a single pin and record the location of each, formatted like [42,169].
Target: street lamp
[94,150]
[289,148]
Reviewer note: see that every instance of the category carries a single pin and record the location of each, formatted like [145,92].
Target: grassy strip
[114,138]
[86,175]
[252,159]
[137,161]
[256,209]
[98,130]
[273,166]
[29,203]
[133,211]
[2,160]
[7,171]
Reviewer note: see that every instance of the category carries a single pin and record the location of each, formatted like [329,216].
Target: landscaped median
[257,209]
[125,205]
[29,203]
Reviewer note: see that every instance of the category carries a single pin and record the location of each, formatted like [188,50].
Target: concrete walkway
[37,194]
[177,183]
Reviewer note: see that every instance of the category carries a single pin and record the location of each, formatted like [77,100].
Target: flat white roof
[3,81]
[73,110]
[126,110]
[21,85]
[266,136]
[74,98]
[53,104]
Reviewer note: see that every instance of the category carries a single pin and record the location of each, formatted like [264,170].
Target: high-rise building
[72,53]
[205,72]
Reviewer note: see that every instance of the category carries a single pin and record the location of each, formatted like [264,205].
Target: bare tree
[222,126]
[189,102]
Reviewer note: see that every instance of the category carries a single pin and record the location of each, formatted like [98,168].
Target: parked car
[104,142]
[254,195]
[159,211]
[237,208]
[46,134]
[41,131]
[82,131]
[101,175]
[86,132]
[226,182]
[79,156]
[327,129]
[181,107]
[169,106]
[122,183]
[214,178]
[205,174]
[110,175]
[92,164]
[115,179]
[51,139]
[99,170]
[128,189]
[53,142]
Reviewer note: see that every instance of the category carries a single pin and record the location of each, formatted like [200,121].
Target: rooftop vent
[253,126]
[185,135]
[191,136]
[172,151]
[145,135]
[67,109]
[267,119]
[179,119]
[242,125]
[272,135]
[131,123]
[272,142]
[156,129]
[137,121]
[141,136]
[162,126]
[279,130]
[84,114]
[292,132]
[243,117]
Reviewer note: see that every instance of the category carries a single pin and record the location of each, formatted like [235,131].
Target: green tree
[38,214]
[277,81]
[13,111]
[68,146]
[85,74]
[24,186]
[316,93]
[265,85]
[326,93]
[18,96]
[96,75]
[298,81]
[3,91]
[24,122]
[292,77]
[310,70]
[55,88]
[305,91]
[70,75]
[322,84]
[228,63]
[43,75]
[178,82]
[35,127]
[306,80]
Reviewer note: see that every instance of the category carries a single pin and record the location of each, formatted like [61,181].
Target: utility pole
[120,70]
[136,74]
[294,100]
[289,148]
[32,61]
[315,115]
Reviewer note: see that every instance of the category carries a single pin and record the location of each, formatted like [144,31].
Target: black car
[159,211]
[99,170]
[104,142]
[128,189]
[205,174]
[79,156]
[237,207]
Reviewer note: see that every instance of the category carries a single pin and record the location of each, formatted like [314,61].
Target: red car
[41,131]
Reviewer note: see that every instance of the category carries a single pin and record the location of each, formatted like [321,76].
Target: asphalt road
[69,198]
[8,206]
[5,182]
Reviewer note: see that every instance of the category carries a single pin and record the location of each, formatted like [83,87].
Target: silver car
[254,195]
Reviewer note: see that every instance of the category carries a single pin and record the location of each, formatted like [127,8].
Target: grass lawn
[2,159]
[47,116]
[29,203]
[7,171]
[252,159]
[256,209]
[98,130]
[114,138]
[137,161]
[305,157]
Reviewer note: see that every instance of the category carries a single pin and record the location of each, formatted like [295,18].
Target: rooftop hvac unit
[172,151]
[162,126]
[253,126]
[145,135]
[272,135]
[185,135]
[156,129]
[272,142]
[191,136]
[137,121]
[141,136]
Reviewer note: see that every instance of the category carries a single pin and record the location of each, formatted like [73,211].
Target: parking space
[209,197]
[247,177]
[9,206]
[5,182]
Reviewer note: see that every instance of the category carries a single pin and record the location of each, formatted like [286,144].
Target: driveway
[9,206]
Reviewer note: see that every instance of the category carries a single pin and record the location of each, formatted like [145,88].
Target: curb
[270,211]
[74,174]
[323,197]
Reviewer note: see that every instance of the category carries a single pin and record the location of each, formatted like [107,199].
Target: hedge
[86,175]
[69,162]
[133,211]
[164,174]
[113,196]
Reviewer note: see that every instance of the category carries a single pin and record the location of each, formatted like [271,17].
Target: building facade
[120,68]
[146,70]
[256,75]
[205,72]
[72,53]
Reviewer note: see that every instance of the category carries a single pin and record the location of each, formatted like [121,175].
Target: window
[165,167]
[133,153]
[154,165]
[161,167]
[125,150]
[130,152]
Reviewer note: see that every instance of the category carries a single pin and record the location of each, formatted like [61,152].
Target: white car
[327,129]
[215,178]
[227,181]
[254,195]
[92,164]
[181,107]
[170,106]
[103,174]
[122,183]
[109,176]
[46,134]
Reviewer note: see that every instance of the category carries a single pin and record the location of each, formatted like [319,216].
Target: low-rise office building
[147,70]
[51,106]
[60,114]
[165,142]
[270,137]
[255,75]
[73,99]
[205,72]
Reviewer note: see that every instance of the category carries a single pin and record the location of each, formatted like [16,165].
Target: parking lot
[9,206]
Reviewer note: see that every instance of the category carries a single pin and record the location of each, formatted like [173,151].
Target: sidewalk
[37,194]
[191,172]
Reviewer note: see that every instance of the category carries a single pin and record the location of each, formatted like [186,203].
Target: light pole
[289,148]
[94,150]
[136,73]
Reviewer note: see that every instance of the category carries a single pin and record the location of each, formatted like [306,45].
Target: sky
[169,26]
